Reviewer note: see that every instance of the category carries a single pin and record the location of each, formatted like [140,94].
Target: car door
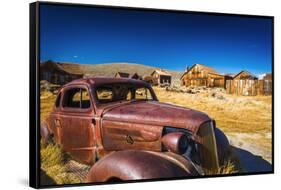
[53,120]
[77,129]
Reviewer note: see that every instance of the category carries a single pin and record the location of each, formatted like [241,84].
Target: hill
[109,69]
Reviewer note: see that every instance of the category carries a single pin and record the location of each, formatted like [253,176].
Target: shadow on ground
[45,179]
[250,162]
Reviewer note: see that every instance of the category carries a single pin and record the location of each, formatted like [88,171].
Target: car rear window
[143,94]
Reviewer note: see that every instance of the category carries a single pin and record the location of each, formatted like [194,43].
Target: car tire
[223,146]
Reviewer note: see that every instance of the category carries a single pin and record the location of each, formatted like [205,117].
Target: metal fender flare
[223,146]
[136,165]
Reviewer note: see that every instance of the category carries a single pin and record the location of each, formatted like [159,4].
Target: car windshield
[122,92]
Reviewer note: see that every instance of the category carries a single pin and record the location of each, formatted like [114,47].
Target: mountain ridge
[110,69]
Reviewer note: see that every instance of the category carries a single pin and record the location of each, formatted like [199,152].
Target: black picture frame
[34,89]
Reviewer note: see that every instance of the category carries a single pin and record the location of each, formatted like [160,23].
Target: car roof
[97,81]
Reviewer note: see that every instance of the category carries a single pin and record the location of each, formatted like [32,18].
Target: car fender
[136,165]
[223,146]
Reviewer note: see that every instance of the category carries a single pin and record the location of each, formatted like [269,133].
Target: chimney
[186,68]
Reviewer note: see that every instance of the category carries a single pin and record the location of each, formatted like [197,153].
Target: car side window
[76,98]
[129,96]
[85,99]
[104,95]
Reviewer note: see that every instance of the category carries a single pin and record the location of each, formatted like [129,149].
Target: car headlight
[176,142]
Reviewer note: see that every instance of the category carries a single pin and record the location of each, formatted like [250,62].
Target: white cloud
[75,56]
[260,76]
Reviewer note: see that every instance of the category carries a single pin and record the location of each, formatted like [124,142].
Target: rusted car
[119,127]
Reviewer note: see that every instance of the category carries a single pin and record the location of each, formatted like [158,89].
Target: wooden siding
[135,76]
[54,74]
[161,79]
[200,77]
[248,87]
[122,75]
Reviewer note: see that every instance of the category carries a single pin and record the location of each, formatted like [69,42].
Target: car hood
[156,113]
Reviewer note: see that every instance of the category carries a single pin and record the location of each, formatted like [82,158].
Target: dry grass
[53,163]
[233,115]
[231,165]
[47,100]
[228,167]
[52,157]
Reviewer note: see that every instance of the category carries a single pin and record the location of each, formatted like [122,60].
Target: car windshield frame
[131,87]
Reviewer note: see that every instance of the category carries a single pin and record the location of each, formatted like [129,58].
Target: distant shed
[246,84]
[162,76]
[245,75]
[150,79]
[268,76]
[267,84]
[56,74]
[127,75]
[135,76]
[122,75]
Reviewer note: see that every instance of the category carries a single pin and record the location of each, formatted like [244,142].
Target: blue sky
[168,40]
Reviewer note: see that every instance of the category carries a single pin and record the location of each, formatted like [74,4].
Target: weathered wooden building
[245,75]
[122,75]
[161,76]
[246,84]
[127,75]
[150,79]
[201,75]
[54,73]
[135,76]
[267,84]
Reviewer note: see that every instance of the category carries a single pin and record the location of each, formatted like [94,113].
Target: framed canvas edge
[34,91]
[34,99]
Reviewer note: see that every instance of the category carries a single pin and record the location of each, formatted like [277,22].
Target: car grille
[207,146]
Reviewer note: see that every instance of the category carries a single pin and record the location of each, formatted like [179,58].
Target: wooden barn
[201,75]
[245,75]
[268,76]
[246,84]
[150,79]
[267,84]
[54,73]
[161,76]
[122,75]
[135,76]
